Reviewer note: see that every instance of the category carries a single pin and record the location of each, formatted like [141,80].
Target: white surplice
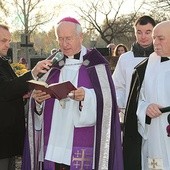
[122,76]
[155,89]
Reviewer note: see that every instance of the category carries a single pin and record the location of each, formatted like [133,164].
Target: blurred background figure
[119,50]
[116,51]
[23,61]
[112,47]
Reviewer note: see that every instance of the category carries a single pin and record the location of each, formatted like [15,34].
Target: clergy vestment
[155,89]
[146,146]
[92,133]
[131,138]
[122,74]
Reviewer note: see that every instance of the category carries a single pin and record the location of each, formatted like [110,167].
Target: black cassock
[132,140]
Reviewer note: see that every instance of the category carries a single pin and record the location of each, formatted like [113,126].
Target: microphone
[163,110]
[58,57]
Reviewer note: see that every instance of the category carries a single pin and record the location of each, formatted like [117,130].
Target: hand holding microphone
[43,66]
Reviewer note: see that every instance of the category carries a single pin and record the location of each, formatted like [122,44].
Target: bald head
[161,39]
[163,27]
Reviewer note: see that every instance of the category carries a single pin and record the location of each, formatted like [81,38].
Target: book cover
[56,90]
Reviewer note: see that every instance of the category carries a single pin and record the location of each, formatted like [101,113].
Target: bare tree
[163,5]
[32,14]
[29,15]
[159,8]
[109,11]
[3,9]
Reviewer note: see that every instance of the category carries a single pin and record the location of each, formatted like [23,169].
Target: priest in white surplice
[155,94]
[140,50]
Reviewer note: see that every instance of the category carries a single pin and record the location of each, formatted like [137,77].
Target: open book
[56,90]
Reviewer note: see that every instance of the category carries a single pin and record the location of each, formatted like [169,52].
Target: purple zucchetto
[69,19]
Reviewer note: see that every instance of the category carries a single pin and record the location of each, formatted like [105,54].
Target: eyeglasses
[67,40]
[168,127]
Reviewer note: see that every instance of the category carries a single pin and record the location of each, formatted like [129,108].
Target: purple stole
[82,153]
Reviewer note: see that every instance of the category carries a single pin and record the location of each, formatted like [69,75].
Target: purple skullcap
[69,19]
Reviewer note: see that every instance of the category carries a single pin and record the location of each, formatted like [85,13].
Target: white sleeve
[87,116]
[141,114]
[120,84]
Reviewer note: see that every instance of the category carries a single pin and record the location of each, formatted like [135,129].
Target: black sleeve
[13,88]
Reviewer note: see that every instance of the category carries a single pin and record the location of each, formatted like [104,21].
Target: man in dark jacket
[12,90]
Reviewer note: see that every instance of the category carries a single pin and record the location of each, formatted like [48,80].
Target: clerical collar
[76,56]
[164,59]
[140,51]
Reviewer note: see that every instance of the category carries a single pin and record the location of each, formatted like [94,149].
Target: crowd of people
[83,130]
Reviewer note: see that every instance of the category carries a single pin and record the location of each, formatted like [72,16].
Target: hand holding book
[40,96]
[56,90]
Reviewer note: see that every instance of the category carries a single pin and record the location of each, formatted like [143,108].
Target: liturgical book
[56,90]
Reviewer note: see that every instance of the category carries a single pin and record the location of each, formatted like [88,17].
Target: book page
[42,83]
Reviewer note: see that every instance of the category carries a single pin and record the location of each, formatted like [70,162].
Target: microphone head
[58,57]
[168,118]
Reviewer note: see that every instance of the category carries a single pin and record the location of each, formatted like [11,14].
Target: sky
[67,8]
